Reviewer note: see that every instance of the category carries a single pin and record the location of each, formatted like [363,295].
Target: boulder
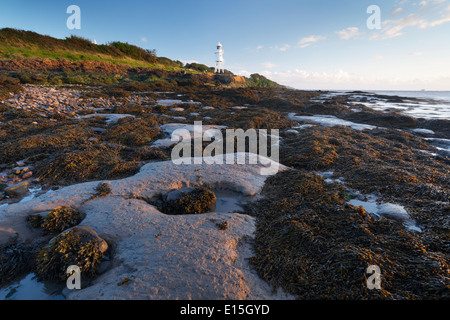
[17,190]
[79,246]
[88,234]
[176,194]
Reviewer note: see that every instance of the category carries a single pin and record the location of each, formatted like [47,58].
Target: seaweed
[59,220]
[198,201]
[15,260]
[69,248]
[314,245]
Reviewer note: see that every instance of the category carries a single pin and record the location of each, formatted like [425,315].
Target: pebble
[27,175]
[47,101]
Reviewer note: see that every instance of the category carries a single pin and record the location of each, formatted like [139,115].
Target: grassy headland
[40,59]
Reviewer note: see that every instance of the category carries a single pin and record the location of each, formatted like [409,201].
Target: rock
[104,266]
[27,175]
[79,246]
[20,163]
[174,195]
[98,130]
[189,201]
[17,190]
[35,219]
[87,234]
[19,170]
[190,259]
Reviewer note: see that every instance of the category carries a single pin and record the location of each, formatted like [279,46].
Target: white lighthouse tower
[219,61]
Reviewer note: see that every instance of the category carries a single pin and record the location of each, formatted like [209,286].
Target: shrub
[198,67]
[257,80]
[135,52]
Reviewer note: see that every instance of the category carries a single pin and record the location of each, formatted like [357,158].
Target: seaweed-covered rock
[15,260]
[189,201]
[79,246]
[35,220]
[56,220]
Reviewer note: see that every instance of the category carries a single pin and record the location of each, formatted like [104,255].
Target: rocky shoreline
[309,231]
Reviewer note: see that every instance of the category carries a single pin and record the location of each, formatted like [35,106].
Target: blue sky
[306,44]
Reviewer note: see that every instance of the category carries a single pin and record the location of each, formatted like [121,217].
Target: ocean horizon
[423,104]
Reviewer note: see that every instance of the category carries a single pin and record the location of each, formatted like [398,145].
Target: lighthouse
[219,61]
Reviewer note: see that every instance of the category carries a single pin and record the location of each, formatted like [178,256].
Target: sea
[424,104]
[430,105]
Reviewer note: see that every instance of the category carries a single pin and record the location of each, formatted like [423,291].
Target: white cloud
[439,21]
[429,14]
[397,11]
[244,73]
[299,78]
[378,57]
[307,41]
[188,61]
[349,33]
[268,65]
[340,79]
[144,39]
[285,47]
[258,48]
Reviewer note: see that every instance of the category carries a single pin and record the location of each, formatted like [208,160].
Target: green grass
[27,44]
[10,52]
[17,44]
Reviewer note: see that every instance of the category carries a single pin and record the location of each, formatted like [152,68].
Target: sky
[304,44]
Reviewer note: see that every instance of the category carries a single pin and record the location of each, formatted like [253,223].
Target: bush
[135,52]
[198,67]
[257,80]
